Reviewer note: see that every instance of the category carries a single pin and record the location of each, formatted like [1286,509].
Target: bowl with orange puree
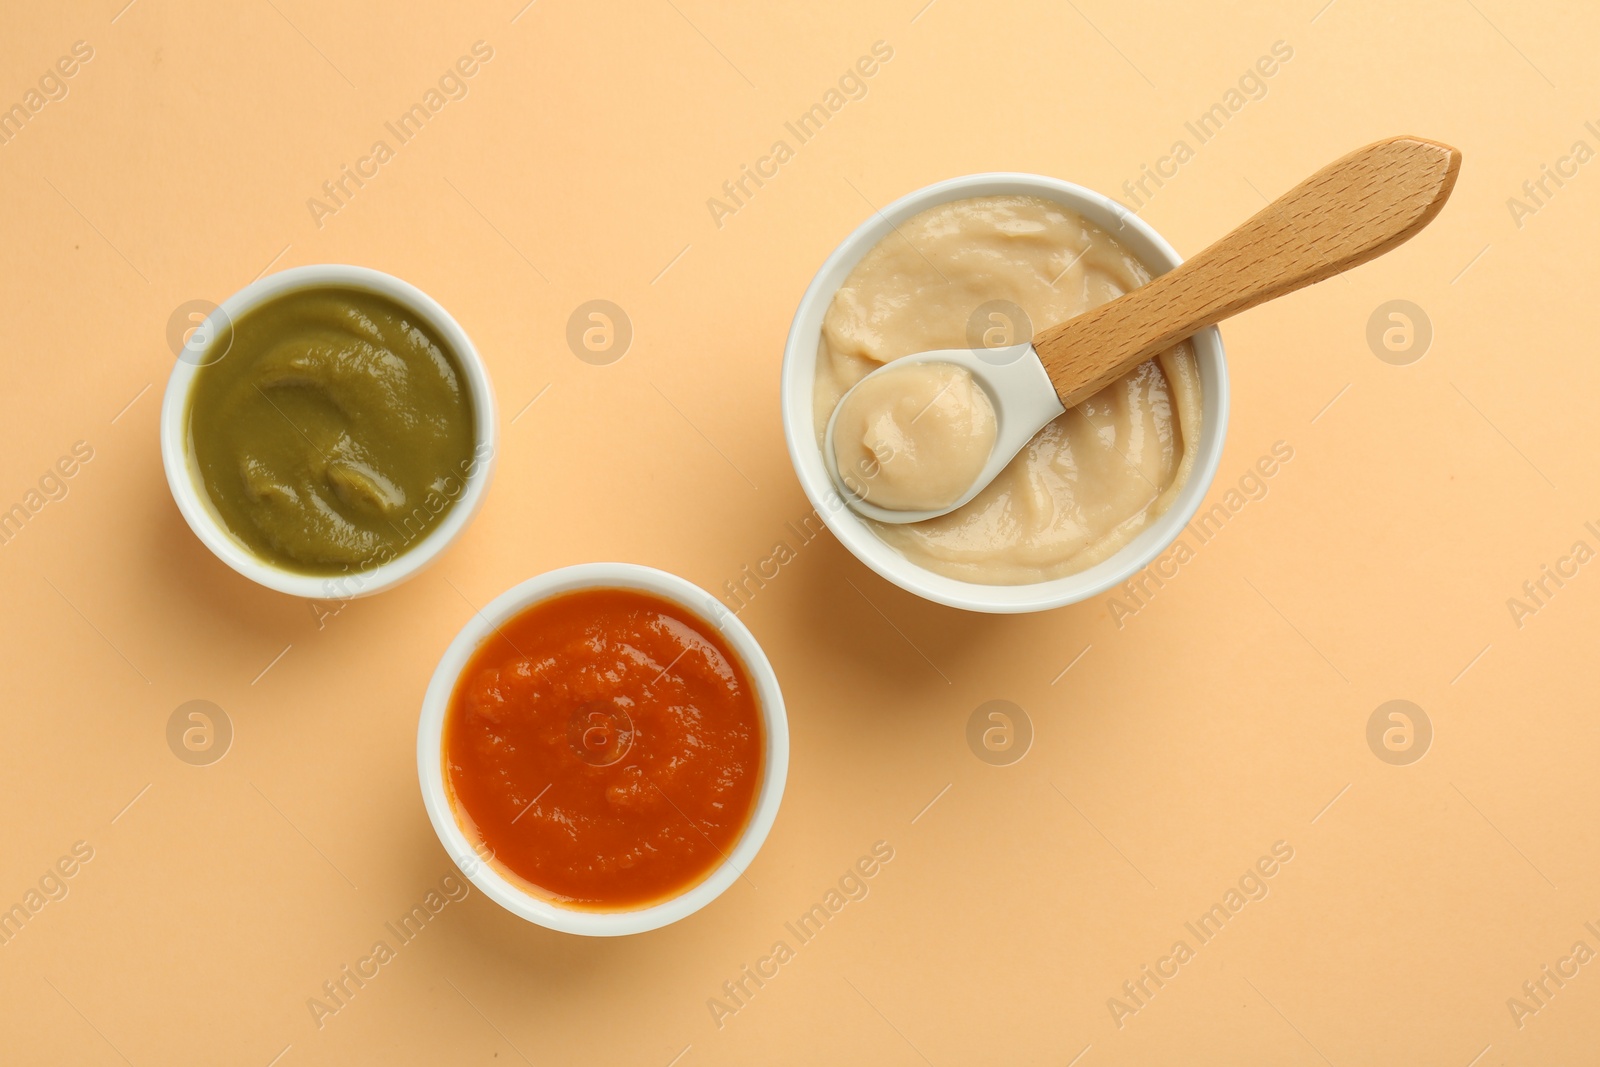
[603,748]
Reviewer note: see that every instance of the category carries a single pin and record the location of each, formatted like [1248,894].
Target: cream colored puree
[916,437]
[1087,482]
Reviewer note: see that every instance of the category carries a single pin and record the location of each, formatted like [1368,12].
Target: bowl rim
[798,380]
[469,857]
[177,447]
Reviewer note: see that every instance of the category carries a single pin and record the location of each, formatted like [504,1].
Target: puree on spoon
[335,431]
[915,438]
[606,745]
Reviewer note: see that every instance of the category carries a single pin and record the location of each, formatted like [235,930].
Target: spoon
[1354,209]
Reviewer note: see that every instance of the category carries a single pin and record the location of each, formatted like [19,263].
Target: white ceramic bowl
[467,853]
[177,449]
[799,376]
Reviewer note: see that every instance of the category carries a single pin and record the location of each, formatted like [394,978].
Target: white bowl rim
[177,452]
[799,369]
[430,756]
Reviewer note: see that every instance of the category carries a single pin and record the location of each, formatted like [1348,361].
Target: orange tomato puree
[607,746]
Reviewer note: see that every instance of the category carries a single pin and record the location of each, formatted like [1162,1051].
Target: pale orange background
[1223,717]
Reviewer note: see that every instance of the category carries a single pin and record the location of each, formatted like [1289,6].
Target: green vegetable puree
[334,432]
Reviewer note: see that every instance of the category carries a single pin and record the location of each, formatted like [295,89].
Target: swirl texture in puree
[1091,479]
[333,432]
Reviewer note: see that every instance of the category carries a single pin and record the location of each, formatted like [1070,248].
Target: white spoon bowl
[1020,392]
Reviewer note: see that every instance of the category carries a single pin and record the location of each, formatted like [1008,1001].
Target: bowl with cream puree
[984,261]
[602,749]
[328,431]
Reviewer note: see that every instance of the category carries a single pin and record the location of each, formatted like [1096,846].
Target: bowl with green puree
[327,431]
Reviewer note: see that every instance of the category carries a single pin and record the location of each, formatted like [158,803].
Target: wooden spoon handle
[1348,212]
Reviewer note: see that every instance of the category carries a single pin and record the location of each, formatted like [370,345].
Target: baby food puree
[1089,481]
[334,431]
[607,746]
[915,437]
